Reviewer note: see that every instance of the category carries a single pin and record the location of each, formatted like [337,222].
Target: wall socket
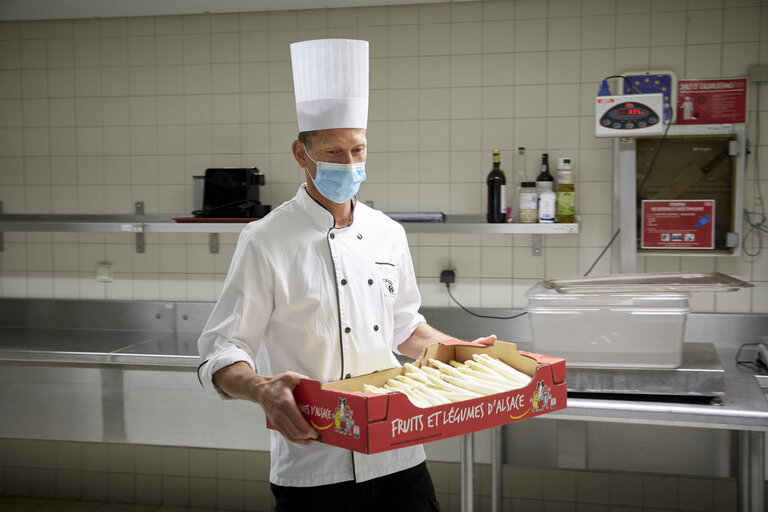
[104,272]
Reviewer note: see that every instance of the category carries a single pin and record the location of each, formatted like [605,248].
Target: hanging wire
[639,187]
[756,219]
[448,287]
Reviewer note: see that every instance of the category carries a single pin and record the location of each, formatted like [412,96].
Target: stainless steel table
[744,407]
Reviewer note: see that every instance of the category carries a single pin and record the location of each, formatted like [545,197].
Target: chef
[324,288]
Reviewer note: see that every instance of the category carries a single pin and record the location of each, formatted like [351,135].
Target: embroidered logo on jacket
[389,287]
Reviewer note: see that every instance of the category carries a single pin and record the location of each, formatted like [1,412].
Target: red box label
[720,101]
[678,224]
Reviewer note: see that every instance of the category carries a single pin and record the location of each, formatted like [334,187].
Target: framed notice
[719,101]
[688,224]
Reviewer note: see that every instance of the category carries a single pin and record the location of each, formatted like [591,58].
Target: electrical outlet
[104,272]
[447,276]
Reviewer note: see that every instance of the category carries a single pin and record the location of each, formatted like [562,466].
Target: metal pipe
[467,462]
[756,469]
[744,466]
[751,470]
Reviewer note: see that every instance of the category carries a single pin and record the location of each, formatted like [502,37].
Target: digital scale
[629,115]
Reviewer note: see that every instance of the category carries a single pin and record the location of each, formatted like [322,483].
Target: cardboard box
[347,417]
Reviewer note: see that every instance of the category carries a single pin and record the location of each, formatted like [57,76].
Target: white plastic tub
[617,330]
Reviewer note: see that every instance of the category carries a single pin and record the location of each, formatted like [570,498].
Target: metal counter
[114,334]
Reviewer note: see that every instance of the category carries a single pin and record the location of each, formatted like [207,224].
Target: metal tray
[640,283]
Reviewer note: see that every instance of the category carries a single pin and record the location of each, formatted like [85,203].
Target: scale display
[629,116]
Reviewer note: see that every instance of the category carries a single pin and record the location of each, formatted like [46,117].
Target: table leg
[751,470]
[497,502]
[467,463]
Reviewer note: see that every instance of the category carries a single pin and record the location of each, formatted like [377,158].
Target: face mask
[338,182]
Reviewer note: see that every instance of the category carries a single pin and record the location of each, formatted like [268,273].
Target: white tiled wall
[96,114]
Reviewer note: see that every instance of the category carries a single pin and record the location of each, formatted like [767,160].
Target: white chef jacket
[326,302]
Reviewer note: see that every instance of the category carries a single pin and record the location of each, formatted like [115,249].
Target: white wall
[96,114]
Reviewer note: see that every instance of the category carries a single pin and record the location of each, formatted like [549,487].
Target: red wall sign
[720,101]
[678,224]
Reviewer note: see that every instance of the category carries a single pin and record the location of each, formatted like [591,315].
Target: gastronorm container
[617,330]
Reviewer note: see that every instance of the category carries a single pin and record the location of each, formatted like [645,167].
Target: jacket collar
[321,218]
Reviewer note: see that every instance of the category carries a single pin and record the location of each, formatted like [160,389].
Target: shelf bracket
[536,245]
[139,228]
[213,243]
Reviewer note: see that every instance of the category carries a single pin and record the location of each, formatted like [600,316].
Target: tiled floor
[10,504]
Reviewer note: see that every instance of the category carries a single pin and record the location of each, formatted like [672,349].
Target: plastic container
[615,330]
[527,202]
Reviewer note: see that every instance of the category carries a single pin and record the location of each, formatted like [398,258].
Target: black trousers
[410,490]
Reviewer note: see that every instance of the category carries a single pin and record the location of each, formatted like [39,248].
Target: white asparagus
[502,368]
[414,399]
[413,383]
[418,377]
[368,388]
[437,383]
[445,368]
[451,391]
[433,395]
[472,385]
[485,379]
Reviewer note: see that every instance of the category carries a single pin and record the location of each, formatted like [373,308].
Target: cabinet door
[688,168]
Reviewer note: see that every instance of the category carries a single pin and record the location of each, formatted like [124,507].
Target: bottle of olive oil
[497,191]
[566,191]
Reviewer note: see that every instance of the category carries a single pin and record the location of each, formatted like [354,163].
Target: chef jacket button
[347,330]
[343,282]
[375,327]
[370,281]
[332,236]
[348,376]
[359,236]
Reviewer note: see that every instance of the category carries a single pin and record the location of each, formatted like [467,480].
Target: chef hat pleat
[330,81]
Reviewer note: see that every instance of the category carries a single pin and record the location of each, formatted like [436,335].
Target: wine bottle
[544,181]
[497,185]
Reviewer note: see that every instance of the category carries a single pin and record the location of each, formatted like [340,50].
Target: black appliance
[232,192]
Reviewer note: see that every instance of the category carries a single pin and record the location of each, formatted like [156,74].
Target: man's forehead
[340,136]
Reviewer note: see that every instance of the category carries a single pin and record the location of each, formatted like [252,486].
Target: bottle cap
[565,163]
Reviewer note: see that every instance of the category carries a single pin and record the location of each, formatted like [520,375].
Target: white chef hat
[330,80]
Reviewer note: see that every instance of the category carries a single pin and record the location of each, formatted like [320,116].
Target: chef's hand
[486,341]
[275,394]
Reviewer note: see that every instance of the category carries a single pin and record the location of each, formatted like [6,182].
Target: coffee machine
[232,192]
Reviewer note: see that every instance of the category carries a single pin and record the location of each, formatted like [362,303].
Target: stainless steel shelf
[165,224]
[139,224]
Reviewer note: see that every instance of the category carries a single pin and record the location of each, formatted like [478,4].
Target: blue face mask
[338,182]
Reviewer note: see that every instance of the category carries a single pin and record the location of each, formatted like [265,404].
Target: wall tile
[217,88]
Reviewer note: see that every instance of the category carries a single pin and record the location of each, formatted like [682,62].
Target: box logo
[542,398]
[343,421]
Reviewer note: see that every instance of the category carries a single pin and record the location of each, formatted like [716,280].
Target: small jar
[527,200]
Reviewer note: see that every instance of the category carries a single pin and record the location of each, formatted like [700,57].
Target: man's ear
[299,153]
